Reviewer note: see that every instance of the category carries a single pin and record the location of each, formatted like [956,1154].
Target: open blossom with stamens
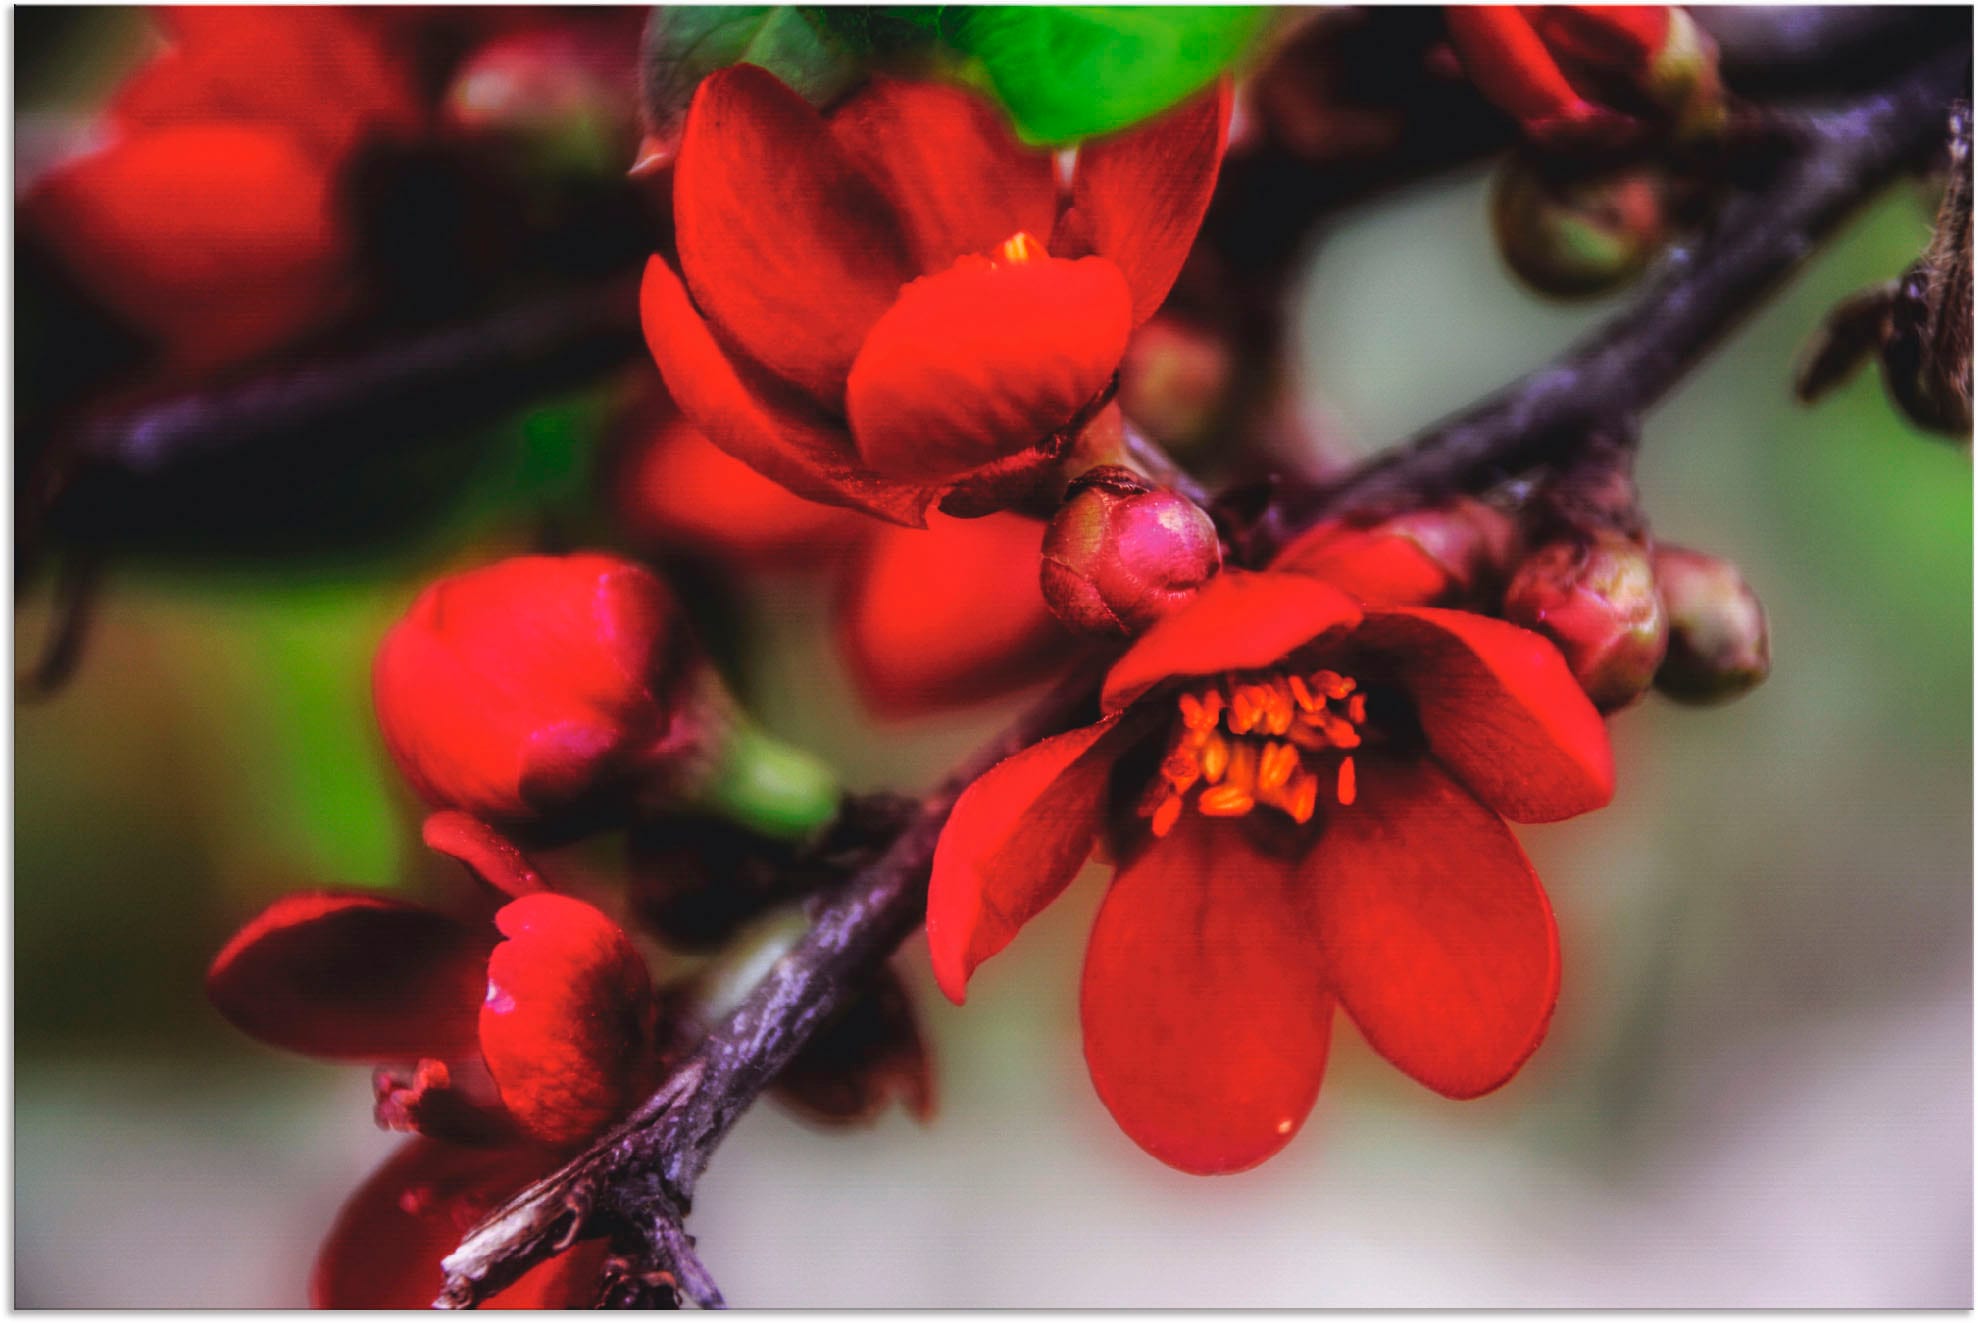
[531,1024]
[922,316]
[1305,796]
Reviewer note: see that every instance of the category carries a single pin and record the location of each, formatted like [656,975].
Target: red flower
[1304,797]
[916,312]
[539,684]
[927,618]
[209,221]
[527,1047]
[948,615]
[1577,74]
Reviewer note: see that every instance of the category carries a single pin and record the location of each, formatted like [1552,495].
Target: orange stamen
[1274,769]
[1225,802]
[1022,247]
[1215,759]
[1166,815]
[1349,784]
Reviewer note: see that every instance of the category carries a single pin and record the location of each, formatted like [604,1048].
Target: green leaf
[818,58]
[1071,72]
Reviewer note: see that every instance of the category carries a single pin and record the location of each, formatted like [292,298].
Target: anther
[1274,769]
[1225,802]
[1215,759]
[1349,785]
[1166,815]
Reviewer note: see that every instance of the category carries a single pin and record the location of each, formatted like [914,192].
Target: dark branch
[1834,161]
[637,1182]
[642,1174]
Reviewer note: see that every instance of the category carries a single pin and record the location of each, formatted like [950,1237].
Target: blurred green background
[1757,1090]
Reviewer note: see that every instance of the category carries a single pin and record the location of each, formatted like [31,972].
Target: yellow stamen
[1274,769]
[1225,802]
[1022,247]
[1215,759]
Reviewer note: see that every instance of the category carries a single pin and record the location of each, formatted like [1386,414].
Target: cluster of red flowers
[891,338]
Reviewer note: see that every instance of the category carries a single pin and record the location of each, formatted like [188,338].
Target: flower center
[1281,741]
[1018,248]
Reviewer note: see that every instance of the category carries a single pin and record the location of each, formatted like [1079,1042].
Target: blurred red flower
[927,618]
[210,219]
[1348,768]
[920,315]
[527,1047]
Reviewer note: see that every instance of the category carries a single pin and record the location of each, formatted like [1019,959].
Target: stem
[1840,158]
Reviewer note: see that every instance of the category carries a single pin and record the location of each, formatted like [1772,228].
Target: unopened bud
[549,691]
[554,95]
[1719,648]
[1597,601]
[1121,554]
[1565,232]
[1683,79]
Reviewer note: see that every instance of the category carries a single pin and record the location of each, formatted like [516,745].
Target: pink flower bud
[1120,554]
[1719,648]
[526,687]
[1597,601]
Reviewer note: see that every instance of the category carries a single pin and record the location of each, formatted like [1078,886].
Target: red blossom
[209,219]
[921,314]
[1319,822]
[948,615]
[926,619]
[537,684]
[526,1048]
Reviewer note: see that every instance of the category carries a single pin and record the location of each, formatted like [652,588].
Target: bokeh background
[1758,1090]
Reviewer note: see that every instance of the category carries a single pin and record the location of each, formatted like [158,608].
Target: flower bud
[547,689]
[1719,648]
[1120,554]
[1596,600]
[525,687]
[554,94]
[1566,233]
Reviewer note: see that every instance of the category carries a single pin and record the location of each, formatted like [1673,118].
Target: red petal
[1438,939]
[1238,621]
[218,239]
[1014,841]
[566,1020]
[386,1247]
[947,161]
[1139,198]
[949,615]
[811,457]
[984,361]
[1612,36]
[677,489]
[355,976]
[1511,66]
[487,853]
[783,239]
[1206,1022]
[1500,710]
[1374,567]
[317,72]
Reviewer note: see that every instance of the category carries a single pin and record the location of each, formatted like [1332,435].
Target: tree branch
[1834,160]
[637,1181]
